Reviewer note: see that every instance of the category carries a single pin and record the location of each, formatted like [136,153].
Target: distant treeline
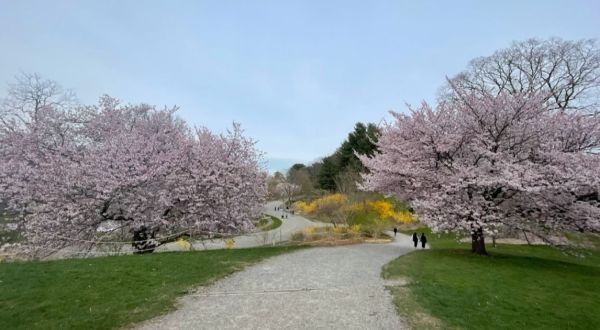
[339,171]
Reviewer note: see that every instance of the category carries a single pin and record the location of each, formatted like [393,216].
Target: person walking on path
[395,231]
[415,239]
[423,240]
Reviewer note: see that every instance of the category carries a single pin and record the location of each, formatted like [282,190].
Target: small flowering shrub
[310,231]
[229,243]
[183,245]
[330,235]
[298,237]
[339,230]
[354,229]
[372,214]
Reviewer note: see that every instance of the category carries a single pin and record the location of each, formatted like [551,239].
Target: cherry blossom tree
[70,170]
[480,163]
[288,190]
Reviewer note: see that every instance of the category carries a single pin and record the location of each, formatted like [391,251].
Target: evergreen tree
[329,170]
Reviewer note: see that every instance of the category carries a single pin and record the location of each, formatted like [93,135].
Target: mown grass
[110,292]
[515,287]
[269,222]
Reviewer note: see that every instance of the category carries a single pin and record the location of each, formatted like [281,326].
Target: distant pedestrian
[423,240]
[282,216]
[395,231]
[415,239]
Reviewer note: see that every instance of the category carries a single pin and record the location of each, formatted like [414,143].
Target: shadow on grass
[533,287]
[531,263]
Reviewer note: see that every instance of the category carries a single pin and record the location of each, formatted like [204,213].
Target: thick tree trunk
[144,240]
[478,242]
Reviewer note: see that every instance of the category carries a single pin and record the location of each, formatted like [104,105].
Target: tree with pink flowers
[477,164]
[287,190]
[69,169]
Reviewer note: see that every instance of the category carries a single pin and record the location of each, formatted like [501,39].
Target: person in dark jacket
[415,239]
[423,240]
[395,231]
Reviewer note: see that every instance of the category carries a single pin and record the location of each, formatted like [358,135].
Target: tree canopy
[565,73]
[70,169]
[486,162]
[335,171]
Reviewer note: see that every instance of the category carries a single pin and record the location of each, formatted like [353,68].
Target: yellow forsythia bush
[385,211]
[324,203]
[354,229]
[305,208]
[335,204]
[403,217]
[310,230]
[229,243]
[183,245]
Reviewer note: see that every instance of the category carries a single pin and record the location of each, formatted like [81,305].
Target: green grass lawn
[110,292]
[269,222]
[516,287]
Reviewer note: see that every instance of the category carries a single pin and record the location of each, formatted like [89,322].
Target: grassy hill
[110,292]
[516,287]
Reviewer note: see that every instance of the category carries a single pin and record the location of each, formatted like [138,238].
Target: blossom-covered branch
[480,163]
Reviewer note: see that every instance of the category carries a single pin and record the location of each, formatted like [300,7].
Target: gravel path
[317,288]
[289,226]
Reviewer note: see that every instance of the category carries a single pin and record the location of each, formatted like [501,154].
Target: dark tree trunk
[144,240]
[478,242]
[526,238]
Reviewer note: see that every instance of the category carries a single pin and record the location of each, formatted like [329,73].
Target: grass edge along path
[273,224]
[516,287]
[111,292]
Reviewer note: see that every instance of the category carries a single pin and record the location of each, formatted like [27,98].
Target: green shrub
[298,237]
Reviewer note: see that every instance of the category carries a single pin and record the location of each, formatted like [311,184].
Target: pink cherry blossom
[68,171]
[479,165]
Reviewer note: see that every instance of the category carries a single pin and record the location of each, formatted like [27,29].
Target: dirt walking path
[316,288]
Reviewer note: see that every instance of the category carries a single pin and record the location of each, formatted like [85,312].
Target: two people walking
[283,215]
[416,239]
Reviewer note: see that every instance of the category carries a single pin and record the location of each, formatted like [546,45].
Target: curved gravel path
[292,224]
[289,226]
[316,288]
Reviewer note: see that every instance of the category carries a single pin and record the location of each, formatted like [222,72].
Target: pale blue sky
[296,74]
